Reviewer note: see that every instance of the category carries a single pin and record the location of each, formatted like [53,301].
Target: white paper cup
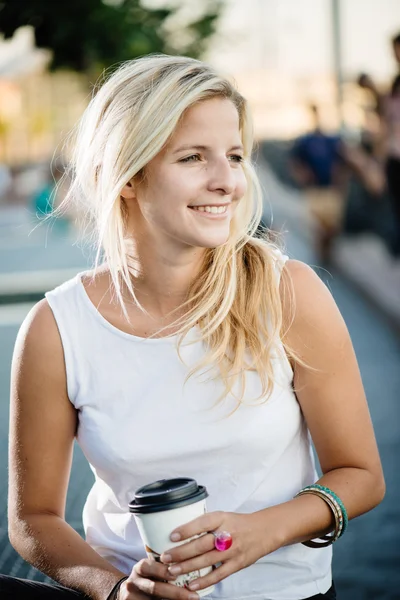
[161,507]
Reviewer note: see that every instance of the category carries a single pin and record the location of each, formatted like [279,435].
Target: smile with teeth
[211,209]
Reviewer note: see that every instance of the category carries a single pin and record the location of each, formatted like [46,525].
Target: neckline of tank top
[130,336]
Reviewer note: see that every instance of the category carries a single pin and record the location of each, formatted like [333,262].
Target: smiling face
[192,187]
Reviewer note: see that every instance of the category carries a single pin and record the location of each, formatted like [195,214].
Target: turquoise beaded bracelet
[337,508]
[337,500]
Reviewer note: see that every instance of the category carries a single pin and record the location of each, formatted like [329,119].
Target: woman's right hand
[149,579]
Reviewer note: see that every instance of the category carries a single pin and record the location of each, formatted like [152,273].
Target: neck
[162,282]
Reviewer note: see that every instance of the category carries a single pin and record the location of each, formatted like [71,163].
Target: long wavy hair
[235,301]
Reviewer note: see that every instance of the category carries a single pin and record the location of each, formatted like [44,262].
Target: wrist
[304,518]
[269,527]
[292,522]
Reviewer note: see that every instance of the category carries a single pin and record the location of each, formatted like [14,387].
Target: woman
[195,349]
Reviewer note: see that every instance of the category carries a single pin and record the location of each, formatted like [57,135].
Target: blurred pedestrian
[316,166]
[367,199]
[43,199]
[195,348]
[50,196]
[366,81]
[387,106]
[392,134]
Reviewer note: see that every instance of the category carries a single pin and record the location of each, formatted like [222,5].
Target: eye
[192,158]
[237,158]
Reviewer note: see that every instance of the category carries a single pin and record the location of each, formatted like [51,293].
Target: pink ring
[222,540]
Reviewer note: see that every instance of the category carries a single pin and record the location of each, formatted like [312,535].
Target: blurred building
[36,107]
[281,54]
[279,51]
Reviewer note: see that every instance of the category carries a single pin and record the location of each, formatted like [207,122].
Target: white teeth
[211,209]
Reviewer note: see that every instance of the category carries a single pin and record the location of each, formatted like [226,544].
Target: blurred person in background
[366,82]
[391,123]
[195,348]
[368,203]
[387,107]
[317,168]
[50,196]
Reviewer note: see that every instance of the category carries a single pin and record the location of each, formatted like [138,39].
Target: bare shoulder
[38,353]
[310,309]
[39,332]
[310,296]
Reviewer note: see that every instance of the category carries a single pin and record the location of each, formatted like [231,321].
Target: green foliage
[88,35]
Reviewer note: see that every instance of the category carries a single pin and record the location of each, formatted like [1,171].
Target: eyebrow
[198,147]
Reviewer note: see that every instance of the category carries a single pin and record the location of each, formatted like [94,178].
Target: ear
[128,191]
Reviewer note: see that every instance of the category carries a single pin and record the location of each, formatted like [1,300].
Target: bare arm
[367,169]
[333,402]
[43,423]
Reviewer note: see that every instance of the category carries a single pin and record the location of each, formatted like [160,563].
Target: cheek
[159,206]
[241,185]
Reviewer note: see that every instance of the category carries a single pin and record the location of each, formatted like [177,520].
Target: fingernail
[175,537]
[166,558]
[194,586]
[175,570]
[194,597]
[171,577]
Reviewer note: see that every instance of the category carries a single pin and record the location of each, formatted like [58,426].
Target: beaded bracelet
[334,507]
[338,511]
[113,595]
[336,499]
[331,537]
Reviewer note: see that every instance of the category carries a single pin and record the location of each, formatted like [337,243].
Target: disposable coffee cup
[161,507]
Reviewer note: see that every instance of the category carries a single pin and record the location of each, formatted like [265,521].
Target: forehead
[218,116]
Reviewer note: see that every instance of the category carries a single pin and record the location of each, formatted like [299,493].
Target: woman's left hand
[249,543]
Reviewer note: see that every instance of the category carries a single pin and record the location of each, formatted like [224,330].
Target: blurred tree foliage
[88,35]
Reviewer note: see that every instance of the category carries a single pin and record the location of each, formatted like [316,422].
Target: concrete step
[366,262]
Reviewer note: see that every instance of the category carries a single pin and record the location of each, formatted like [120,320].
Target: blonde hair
[235,301]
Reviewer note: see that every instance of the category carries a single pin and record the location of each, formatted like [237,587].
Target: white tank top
[139,422]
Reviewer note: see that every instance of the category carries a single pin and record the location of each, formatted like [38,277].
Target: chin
[212,241]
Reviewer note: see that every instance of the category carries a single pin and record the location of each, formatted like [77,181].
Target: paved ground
[367,559]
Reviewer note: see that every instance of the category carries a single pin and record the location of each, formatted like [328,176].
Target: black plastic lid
[167,494]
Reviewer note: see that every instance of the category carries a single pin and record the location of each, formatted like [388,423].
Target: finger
[196,547]
[157,589]
[215,576]
[152,569]
[200,562]
[203,524]
[136,594]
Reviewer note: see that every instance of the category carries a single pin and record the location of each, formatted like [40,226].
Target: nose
[221,177]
